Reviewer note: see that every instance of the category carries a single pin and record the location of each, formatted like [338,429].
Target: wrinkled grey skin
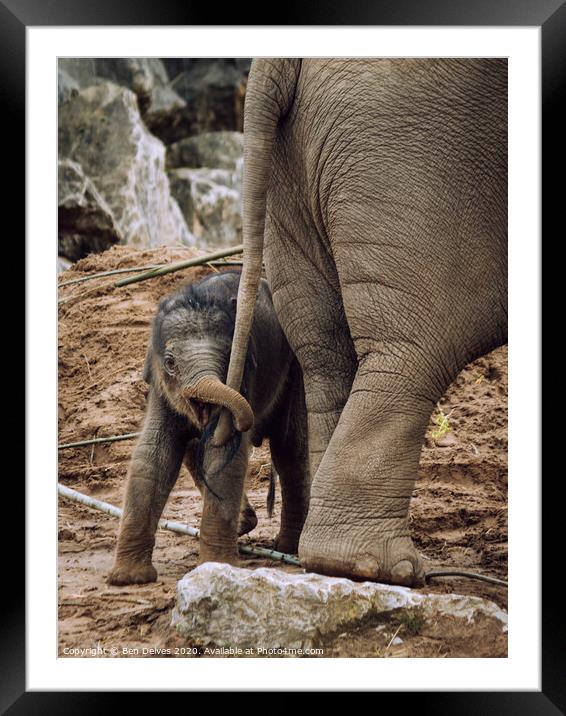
[192,334]
[380,190]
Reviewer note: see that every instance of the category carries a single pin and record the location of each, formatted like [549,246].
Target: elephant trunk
[269,96]
[210,390]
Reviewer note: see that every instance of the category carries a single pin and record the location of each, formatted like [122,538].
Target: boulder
[63,264]
[82,70]
[101,129]
[137,73]
[67,86]
[85,223]
[226,606]
[215,150]
[159,104]
[211,203]
[213,89]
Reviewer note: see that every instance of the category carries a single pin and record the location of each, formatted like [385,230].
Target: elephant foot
[247,521]
[124,573]
[387,555]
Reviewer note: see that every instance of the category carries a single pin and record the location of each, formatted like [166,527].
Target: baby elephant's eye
[169,363]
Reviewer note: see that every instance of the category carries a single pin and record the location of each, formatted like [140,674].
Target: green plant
[441,420]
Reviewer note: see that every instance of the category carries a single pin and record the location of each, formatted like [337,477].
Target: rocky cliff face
[150,153]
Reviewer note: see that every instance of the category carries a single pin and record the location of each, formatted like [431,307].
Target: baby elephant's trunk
[211,390]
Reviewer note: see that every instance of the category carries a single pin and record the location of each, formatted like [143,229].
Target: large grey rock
[137,73]
[211,203]
[177,97]
[235,607]
[67,86]
[81,69]
[102,130]
[86,223]
[160,106]
[213,89]
[215,150]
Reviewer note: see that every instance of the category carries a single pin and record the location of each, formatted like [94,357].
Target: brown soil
[458,513]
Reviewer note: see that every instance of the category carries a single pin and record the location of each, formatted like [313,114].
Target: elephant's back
[383,134]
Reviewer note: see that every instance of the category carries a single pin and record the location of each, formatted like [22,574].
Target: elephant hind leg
[307,300]
[357,524]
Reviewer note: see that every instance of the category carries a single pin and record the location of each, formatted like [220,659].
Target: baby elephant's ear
[147,372]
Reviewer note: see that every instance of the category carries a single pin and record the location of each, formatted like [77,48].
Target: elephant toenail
[367,567]
[403,573]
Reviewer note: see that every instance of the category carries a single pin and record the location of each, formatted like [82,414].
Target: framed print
[135,325]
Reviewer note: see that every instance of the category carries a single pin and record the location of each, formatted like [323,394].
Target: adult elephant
[380,187]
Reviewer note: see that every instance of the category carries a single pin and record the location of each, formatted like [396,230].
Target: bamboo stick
[111,439]
[114,272]
[134,269]
[197,261]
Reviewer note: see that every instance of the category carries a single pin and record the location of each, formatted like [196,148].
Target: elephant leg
[289,452]
[248,518]
[358,523]
[152,474]
[223,502]
[306,295]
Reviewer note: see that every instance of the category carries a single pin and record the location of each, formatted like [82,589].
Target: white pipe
[117,512]
[76,496]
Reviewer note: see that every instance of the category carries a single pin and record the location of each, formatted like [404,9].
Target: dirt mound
[458,513]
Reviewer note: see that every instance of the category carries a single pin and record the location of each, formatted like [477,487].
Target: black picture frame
[550,15]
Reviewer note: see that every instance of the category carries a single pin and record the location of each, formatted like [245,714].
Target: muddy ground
[458,512]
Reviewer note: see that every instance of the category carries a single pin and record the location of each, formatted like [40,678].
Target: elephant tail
[269,97]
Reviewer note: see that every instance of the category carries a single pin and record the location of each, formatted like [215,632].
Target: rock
[211,203]
[165,113]
[214,91]
[447,440]
[137,73]
[215,150]
[238,177]
[160,106]
[86,223]
[81,69]
[67,87]
[101,129]
[396,641]
[202,95]
[268,608]
[63,264]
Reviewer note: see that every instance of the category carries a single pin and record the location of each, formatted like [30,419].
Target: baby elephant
[186,367]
